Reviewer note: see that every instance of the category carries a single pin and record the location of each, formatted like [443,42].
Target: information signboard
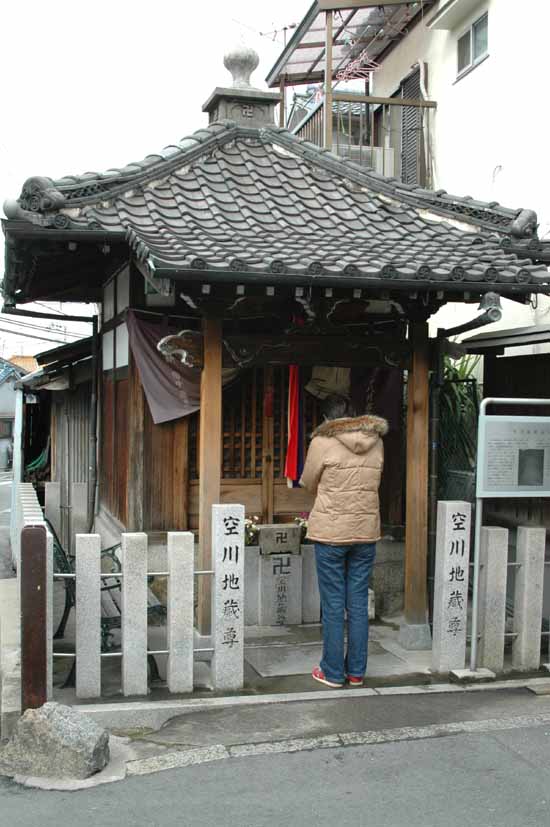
[513,456]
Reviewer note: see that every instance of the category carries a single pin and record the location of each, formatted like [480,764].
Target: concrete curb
[154,714]
[203,755]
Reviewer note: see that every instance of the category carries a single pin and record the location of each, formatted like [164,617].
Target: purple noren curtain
[172,389]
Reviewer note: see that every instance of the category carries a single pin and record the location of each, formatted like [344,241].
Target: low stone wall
[26,511]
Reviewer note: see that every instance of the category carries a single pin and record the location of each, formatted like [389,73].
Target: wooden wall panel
[165,477]
[107,442]
[121,451]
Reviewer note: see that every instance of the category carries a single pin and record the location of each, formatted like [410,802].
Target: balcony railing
[391,138]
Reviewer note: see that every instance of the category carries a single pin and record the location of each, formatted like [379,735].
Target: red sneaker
[354,681]
[319,676]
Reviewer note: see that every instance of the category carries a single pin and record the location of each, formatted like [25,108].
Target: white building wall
[490,130]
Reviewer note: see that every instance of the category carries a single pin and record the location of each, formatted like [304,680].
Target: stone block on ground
[55,741]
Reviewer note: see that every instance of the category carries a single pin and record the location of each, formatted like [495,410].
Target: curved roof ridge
[42,195]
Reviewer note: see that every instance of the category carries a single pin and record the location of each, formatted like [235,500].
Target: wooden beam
[416,534]
[327,143]
[136,413]
[341,97]
[267,447]
[210,455]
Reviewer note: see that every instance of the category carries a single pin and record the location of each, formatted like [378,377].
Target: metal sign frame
[533,456]
[481,494]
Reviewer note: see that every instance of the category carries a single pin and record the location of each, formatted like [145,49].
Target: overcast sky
[88,86]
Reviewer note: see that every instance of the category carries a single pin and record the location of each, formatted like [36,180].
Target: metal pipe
[328,82]
[69,484]
[92,447]
[490,303]
[475,588]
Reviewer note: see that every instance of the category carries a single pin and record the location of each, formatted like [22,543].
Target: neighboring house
[9,375]
[484,139]
[28,363]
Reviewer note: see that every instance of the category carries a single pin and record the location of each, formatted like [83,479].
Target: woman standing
[343,469]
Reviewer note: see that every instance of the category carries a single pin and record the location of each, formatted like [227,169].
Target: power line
[40,327]
[51,309]
[30,336]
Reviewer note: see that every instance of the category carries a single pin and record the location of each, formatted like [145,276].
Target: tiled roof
[257,202]
[8,369]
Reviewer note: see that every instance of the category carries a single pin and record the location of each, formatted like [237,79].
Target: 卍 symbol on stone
[281,567]
[281,537]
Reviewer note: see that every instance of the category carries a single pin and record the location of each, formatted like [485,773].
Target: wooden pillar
[267,447]
[416,536]
[136,412]
[210,457]
[328,83]
[180,474]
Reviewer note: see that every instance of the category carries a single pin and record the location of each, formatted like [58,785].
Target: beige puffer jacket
[343,469]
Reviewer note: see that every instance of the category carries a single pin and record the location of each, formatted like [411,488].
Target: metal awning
[375,27]
[498,340]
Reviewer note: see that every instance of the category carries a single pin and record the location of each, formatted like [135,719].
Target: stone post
[252,581]
[134,614]
[451,586]
[88,616]
[311,602]
[492,597]
[528,598]
[280,590]
[180,611]
[228,596]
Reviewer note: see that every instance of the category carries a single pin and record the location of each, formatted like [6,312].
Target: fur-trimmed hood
[367,424]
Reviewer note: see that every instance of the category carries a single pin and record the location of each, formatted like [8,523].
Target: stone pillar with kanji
[228,596]
[451,586]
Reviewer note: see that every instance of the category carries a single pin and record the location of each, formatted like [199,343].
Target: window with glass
[472,46]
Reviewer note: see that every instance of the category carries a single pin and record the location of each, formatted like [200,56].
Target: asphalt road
[497,779]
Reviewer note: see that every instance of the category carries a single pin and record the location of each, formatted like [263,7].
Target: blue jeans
[343,573]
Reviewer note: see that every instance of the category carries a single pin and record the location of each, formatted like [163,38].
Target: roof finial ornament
[241,61]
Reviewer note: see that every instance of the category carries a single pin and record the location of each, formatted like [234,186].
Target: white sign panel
[513,456]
